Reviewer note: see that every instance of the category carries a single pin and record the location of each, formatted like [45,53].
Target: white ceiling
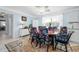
[36,11]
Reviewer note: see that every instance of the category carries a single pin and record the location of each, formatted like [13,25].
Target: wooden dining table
[52,35]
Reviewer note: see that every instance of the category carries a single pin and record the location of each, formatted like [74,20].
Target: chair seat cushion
[62,41]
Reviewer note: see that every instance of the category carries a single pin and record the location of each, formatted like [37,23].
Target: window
[55,21]
[46,21]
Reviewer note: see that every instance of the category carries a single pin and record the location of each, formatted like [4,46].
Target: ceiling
[40,10]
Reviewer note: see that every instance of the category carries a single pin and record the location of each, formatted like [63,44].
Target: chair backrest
[50,28]
[63,29]
[54,27]
[40,28]
[34,30]
[69,35]
[45,31]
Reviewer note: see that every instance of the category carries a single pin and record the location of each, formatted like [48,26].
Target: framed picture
[24,18]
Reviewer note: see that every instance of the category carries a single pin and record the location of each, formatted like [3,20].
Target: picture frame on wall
[24,18]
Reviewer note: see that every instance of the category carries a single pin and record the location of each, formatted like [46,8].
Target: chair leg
[66,47]
[70,47]
[39,45]
[36,44]
[32,40]
[56,45]
[53,47]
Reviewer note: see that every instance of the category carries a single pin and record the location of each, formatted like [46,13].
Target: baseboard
[25,35]
[74,42]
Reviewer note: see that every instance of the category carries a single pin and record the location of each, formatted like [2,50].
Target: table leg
[47,47]
[53,42]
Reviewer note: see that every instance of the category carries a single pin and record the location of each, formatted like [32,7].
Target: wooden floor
[24,45]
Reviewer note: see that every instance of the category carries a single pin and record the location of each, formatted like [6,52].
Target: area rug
[24,45]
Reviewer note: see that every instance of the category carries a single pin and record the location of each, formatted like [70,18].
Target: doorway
[2,24]
[5,25]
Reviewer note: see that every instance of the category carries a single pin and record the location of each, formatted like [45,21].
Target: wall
[16,24]
[16,20]
[69,16]
[13,22]
[9,25]
[38,20]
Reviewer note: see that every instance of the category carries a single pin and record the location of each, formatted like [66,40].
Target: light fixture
[41,6]
[43,9]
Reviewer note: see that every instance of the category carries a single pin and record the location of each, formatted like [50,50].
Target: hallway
[3,40]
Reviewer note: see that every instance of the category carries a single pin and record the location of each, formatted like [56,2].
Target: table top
[52,33]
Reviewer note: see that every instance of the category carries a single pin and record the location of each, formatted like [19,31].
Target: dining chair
[42,36]
[63,39]
[44,39]
[63,29]
[34,34]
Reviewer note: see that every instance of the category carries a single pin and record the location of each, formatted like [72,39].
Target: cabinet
[24,32]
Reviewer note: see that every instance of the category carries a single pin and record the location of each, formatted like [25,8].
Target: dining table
[52,35]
